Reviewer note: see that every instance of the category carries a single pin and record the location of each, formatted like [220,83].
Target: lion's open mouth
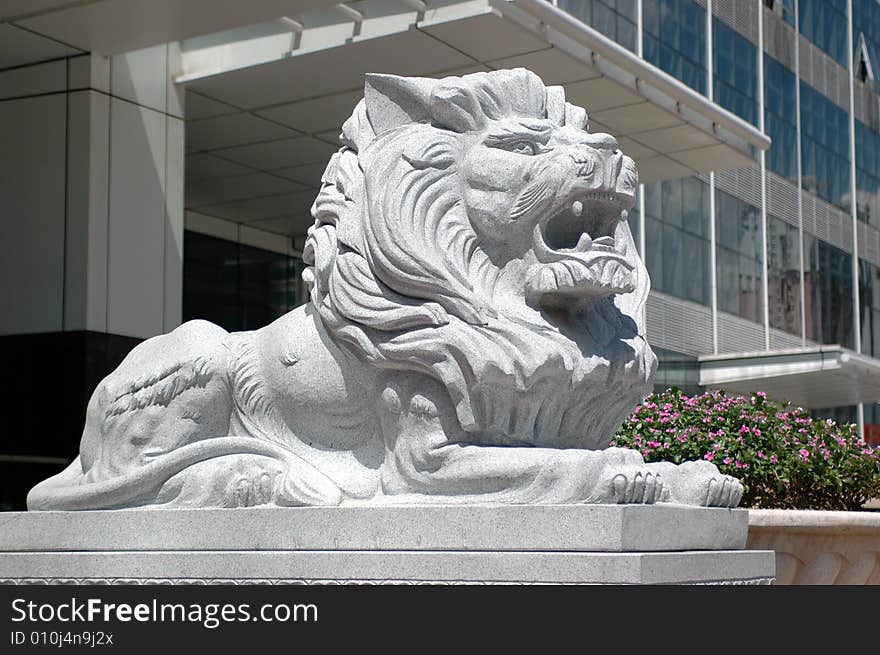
[583,250]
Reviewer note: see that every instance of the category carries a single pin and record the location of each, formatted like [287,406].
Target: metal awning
[813,377]
[287,85]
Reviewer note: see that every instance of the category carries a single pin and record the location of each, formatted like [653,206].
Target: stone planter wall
[817,547]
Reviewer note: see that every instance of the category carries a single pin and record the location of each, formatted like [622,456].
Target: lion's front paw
[701,483]
[625,478]
[637,485]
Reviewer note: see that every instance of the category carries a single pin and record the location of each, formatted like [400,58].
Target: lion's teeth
[584,243]
[608,275]
[577,207]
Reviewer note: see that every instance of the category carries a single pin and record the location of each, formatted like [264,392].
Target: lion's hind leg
[223,471]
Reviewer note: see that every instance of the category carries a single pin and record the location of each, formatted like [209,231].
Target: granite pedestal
[567,544]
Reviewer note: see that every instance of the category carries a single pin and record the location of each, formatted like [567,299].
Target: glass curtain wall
[869,304]
[236,286]
[736,72]
[824,147]
[738,257]
[780,118]
[674,39]
[824,23]
[866,24]
[828,292]
[783,276]
[677,238]
[868,174]
[616,19]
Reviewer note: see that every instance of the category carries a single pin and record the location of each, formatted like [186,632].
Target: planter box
[817,547]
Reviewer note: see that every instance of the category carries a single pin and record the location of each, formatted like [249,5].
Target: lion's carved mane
[398,273]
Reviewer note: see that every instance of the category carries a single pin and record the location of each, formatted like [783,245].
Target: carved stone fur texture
[475,332]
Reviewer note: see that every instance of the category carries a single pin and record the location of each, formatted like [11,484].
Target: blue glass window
[736,72]
[780,117]
[824,148]
[824,23]
[866,23]
[828,287]
[675,39]
[615,19]
[783,276]
[738,257]
[676,238]
[869,303]
[868,174]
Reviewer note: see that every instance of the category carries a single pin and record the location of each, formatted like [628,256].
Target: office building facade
[159,165]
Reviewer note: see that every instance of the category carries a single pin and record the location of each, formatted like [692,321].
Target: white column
[92,185]
[640,51]
[763,160]
[800,173]
[853,191]
[713,255]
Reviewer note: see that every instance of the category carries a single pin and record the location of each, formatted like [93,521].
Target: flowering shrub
[783,457]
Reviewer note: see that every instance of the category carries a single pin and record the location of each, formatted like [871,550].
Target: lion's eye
[522,147]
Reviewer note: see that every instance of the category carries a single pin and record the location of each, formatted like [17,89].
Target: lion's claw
[636,486]
[725,492]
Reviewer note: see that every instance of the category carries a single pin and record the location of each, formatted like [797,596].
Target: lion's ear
[393,101]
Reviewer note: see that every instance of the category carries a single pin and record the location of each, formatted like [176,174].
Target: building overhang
[112,27]
[812,377]
[670,130]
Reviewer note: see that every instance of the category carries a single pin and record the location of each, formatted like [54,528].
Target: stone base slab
[558,544]
[594,528]
[390,567]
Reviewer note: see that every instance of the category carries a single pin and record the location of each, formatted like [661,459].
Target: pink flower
[745,430]
[761,455]
[804,453]
[774,459]
[709,456]
[727,460]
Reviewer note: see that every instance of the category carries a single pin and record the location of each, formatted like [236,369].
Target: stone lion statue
[475,332]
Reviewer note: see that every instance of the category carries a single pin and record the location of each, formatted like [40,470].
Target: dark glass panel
[236,286]
[783,276]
